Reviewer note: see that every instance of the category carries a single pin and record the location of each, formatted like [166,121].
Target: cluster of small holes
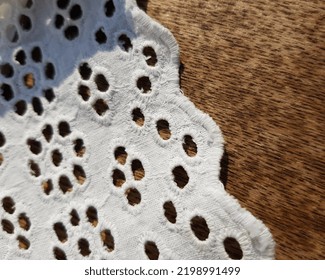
[29,81]
[36,148]
[132,194]
[144,83]
[99,105]
[83,245]
[22,222]
[100,35]
[75,12]
[24,22]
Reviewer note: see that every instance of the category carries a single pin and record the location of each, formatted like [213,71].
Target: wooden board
[258,69]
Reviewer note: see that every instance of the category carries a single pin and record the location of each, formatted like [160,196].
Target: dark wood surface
[258,69]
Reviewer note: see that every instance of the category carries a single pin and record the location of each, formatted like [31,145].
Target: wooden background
[258,69]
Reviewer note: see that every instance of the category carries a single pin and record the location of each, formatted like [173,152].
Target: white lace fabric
[101,155]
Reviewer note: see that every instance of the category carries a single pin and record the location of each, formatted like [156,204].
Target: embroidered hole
[20,57]
[8,205]
[74,217]
[7,226]
[59,254]
[79,147]
[75,12]
[49,71]
[49,94]
[7,70]
[7,92]
[58,21]
[138,117]
[150,54]
[233,249]
[92,215]
[144,84]
[36,54]
[24,221]
[71,32]
[84,92]
[2,139]
[133,196]
[65,184]
[25,22]
[47,186]
[63,4]
[79,173]
[57,157]
[34,168]
[85,71]
[100,107]
[20,107]
[101,82]
[83,245]
[180,176]
[109,8]
[108,240]
[100,36]
[47,132]
[60,232]
[151,250]
[64,129]
[170,212]
[189,146]
[163,129]
[23,242]
[28,4]
[124,42]
[34,146]
[137,170]
[118,178]
[120,155]
[37,106]
[200,228]
[29,80]
[12,33]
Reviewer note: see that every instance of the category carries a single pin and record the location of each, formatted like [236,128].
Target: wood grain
[258,69]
